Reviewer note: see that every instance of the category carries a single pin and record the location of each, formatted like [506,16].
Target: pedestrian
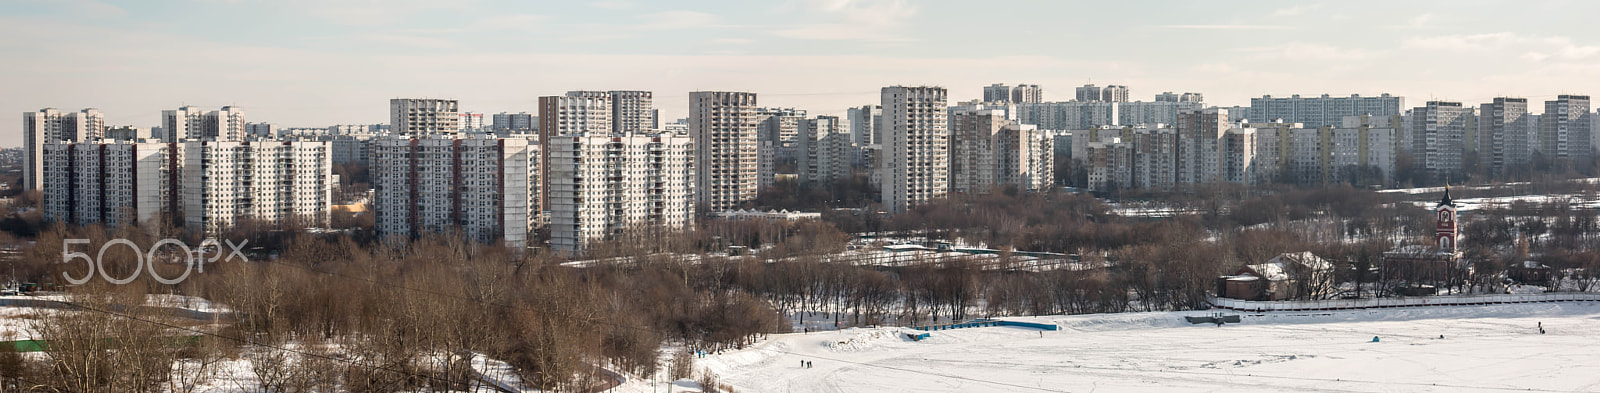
[1441,337]
[802,363]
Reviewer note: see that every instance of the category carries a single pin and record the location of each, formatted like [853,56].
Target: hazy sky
[315,63]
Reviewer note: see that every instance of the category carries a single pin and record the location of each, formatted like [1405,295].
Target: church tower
[1445,229]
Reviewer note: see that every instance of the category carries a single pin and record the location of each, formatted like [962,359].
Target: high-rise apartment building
[517,123]
[631,110]
[226,124]
[1437,131]
[186,123]
[997,93]
[1199,136]
[1155,151]
[1114,93]
[111,183]
[1025,157]
[1564,128]
[824,150]
[1089,92]
[973,137]
[483,187]
[1237,152]
[916,147]
[423,116]
[604,186]
[1503,130]
[228,182]
[49,125]
[1159,112]
[1323,111]
[866,124]
[776,135]
[260,130]
[1073,115]
[473,122]
[723,127]
[575,114]
[1027,94]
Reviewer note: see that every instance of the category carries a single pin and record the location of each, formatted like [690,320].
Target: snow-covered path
[1495,348]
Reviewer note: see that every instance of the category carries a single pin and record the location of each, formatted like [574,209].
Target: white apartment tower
[228,182]
[973,138]
[575,114]
[1027,94]
[482,187]
[1238,156]
[521,123]
[1503,130]
[723,128]
[49,125]
[1114,93]
[631,110]
[186,123]
[866,124]
[1322,111]
[824,150]
[916,146]
[604,187]
[1564,128]
[997,93]
[1089,92]
[1199,145]
[1024,157]
[423,116]
[1437,132]
[110,183]
[226,124]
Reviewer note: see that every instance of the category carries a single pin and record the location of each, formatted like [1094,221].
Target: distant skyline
[304,63]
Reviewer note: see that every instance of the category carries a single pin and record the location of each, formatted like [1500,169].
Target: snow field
[1486,348]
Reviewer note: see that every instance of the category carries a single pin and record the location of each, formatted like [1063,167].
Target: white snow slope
[1485,349]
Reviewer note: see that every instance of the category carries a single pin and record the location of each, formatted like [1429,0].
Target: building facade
[723,128]
[483,187]
[226,183]
[111,183]
[604,186]
[1322,111]
[916,146]
[1564,128]
[49,125]
[423,116]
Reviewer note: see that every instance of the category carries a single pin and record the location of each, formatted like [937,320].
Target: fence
[987,323]
[1416,301]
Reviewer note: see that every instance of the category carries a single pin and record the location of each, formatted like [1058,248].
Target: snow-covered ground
[1486,348]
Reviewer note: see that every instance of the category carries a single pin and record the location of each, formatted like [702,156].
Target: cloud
[1528,47]
[1297,10]
[1305,51]
[872,20]
[1419,21]
[679,19]
[732,41]
[612,4]
[374,12]
[509,22]
[1225,27]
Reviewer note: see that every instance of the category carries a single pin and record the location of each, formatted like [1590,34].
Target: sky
[314,63]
